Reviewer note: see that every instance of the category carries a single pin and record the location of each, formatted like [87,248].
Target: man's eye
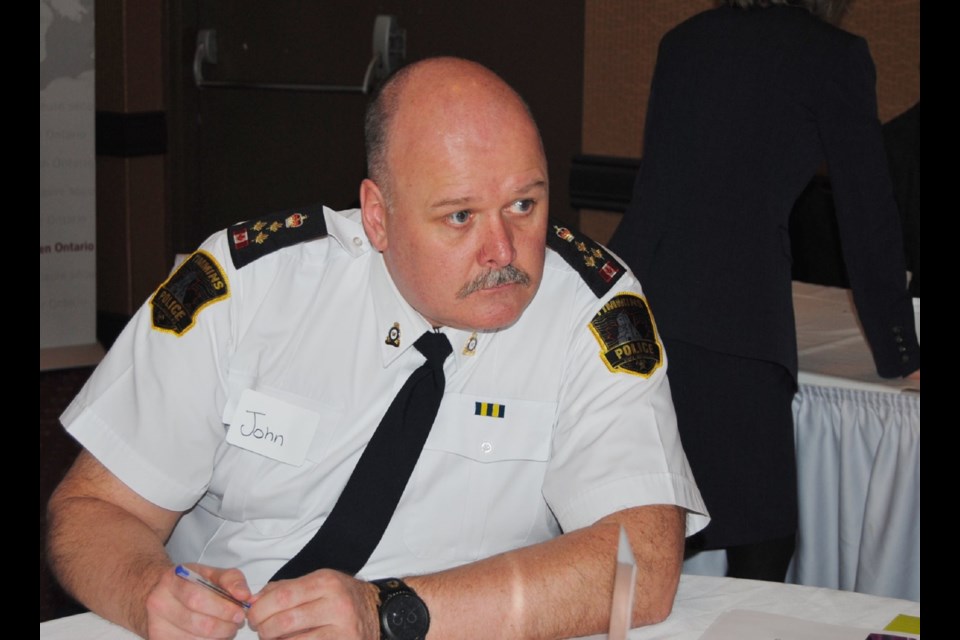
[460,217]
[524,206]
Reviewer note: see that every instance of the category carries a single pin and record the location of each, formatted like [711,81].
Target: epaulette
[598,268]
[253,239]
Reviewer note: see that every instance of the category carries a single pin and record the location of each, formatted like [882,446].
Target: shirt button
[486,447]
[357,241]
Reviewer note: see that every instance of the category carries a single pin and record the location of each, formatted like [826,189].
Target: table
[858,459]
[700,599]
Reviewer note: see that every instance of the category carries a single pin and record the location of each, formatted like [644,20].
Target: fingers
[177,608]
[327,603]
[232,580]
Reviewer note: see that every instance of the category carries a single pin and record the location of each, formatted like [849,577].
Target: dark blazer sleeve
[866,211]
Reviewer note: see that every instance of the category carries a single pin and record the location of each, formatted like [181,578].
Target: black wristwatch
[403,615]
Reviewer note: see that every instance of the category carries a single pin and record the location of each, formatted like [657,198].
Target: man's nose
[497,250]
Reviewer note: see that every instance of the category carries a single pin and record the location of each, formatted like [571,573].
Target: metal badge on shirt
[627,335]
[272,427]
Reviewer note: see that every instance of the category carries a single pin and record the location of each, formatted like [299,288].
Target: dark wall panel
[237,153]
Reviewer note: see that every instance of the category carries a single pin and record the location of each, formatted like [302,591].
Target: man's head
[457,198]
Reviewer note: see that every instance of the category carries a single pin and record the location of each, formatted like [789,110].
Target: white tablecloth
[699,601]
[858,460]
[858,469]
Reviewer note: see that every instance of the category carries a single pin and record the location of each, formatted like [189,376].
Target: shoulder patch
[596,266]
[197,283]
[627,335]
[256,238]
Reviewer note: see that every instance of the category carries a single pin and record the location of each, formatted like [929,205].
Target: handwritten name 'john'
[260,432]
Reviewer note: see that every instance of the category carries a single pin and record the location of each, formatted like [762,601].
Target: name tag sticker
[272,427]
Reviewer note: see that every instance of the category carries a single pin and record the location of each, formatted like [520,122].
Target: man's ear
[373,210]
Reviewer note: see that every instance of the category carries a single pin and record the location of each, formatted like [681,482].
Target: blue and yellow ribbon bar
[489,409]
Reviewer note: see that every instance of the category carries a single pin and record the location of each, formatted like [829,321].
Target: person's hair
[376,126]
[828,10]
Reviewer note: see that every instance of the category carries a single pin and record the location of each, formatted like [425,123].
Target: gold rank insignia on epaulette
[197,283]
[489,409]
[256,238]
[627,335]
[598,268]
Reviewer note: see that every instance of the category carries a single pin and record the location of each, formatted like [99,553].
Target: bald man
[223,426]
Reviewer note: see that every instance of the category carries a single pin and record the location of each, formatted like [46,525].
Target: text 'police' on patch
[196,283]
[627,335]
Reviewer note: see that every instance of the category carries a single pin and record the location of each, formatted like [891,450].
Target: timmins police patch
[196,283]
[627,335]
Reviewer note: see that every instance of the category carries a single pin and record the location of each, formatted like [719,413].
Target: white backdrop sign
[67,175]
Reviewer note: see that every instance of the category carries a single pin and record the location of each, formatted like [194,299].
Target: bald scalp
[447,83]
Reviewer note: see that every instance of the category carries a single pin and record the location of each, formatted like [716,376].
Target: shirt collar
[346,228]
[399,325]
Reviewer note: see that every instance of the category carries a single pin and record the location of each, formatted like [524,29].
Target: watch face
[404,617]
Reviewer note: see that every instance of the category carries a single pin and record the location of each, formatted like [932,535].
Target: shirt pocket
[271,496]
[477,488]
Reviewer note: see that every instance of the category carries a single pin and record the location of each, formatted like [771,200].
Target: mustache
[495,278]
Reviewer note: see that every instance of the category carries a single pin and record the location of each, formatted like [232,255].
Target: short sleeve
[616,444]
[151,412]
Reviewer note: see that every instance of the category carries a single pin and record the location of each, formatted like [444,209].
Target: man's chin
[489,327]
[499,316]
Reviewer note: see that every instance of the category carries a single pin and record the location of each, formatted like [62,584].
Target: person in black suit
[747,101]
[901,137]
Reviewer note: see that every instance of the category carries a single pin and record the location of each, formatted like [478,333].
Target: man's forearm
[562,587]
[97,570]
[106,557]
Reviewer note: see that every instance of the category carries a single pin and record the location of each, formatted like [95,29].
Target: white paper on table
[741,624]
[624,580]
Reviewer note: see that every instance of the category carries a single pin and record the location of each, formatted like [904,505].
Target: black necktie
[354,528]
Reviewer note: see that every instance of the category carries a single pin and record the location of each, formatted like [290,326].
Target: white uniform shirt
[308,326]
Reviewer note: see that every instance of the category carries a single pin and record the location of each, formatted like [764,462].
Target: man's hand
[106,546]
[328,603]
[177,608]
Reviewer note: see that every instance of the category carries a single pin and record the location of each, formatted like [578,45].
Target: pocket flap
[486,429]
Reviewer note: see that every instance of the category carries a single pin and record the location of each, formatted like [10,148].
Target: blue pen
[196,578]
